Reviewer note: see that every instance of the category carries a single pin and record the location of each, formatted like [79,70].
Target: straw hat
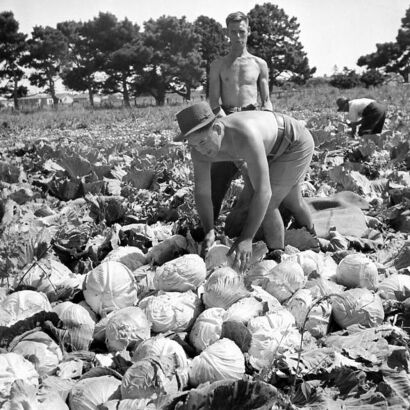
[193,118]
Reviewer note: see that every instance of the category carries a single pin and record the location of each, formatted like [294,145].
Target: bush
[346,79]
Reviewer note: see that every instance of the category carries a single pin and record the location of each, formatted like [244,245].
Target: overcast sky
[333,32]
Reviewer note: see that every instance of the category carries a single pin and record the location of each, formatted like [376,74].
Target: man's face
[206,141]
[238,32]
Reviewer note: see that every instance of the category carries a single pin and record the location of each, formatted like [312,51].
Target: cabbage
[245,309]
[52,401]
[50,277]
[40,348]
[217,257]
[221,360]
[164,349]
[323,287]
[267,344]
[166,250]
[78,323]
[126,327]
[184,273]
[395,287]
[110,286]
[149,378]
[300,304]
[100,326]
[356,270]
[271,303]
[89,393]
[284,280]
[223,288]
[357,306]
[129,404]
[280,319]
[15,367]
[207,328]
[131,256]
[171,311]
[309,261]
[258,272]
[21,305]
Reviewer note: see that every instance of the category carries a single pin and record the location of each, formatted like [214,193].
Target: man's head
[195,124]
[238,28]
[343,104]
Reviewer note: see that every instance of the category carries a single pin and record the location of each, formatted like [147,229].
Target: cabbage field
[106,304]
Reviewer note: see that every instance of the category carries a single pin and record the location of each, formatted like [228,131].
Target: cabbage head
[280,319]
[207,328]
[42,349]
[110,286]
[78,323]
[164,349]
[357,271]
[89,393]
[395,287]
[245,309]
[126,327]
[131,256]
[357,307]
[258,272]
[149,378]
[21,305]
[222,360]
[181,274]
[223,288]
[284,280]
[14,367]
[171,311]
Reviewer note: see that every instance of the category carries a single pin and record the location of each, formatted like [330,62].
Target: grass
[302,103]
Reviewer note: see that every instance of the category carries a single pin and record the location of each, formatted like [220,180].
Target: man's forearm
[205,211]
[257,210]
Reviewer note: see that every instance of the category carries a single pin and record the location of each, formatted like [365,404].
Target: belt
[231,109]
[281,133]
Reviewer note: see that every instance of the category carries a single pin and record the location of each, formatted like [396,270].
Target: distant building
[36,101]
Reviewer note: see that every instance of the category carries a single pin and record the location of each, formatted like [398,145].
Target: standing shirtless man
[234,82]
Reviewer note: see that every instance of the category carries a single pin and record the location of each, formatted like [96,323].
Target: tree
[392,57]
[213,43]
[121,51]
[47,52]
[345,79]
[275,38]
[83,62]
[12,48]
[372,77]
[176,64]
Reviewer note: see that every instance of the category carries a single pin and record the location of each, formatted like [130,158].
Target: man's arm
[263,85]
[202,190]
[215,86]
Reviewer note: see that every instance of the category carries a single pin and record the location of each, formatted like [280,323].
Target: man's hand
[243,253]
[208,241]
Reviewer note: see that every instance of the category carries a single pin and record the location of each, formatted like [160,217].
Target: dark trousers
[373,118]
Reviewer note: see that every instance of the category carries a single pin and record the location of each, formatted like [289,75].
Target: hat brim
[181,137]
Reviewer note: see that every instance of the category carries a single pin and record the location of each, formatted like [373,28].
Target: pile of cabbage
[157,329]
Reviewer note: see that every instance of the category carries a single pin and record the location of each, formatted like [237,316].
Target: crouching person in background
[367,113]
[275,151]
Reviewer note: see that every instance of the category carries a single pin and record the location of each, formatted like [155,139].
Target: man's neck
[238,52]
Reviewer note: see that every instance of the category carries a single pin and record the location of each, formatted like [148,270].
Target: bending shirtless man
[277,150]
[234,81]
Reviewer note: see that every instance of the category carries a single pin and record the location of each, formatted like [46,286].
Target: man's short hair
[237,17]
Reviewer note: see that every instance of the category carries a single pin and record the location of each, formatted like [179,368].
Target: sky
[332,32]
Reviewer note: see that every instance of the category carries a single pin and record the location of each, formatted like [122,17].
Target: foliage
[213,43]
[176,63]
[47,52]
[372,78]
[275,38]
[345,79]
[392,57]
[12,47]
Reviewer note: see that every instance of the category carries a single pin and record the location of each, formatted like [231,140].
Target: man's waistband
[280,139]
[229,109]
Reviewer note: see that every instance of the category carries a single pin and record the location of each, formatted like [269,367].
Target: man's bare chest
[244,72]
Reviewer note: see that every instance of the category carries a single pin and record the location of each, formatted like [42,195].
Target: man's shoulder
[258,60]
[218,62]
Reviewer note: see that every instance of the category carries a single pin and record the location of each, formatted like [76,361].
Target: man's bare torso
[238,79]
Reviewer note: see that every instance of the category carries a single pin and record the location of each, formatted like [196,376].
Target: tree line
[171,54]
